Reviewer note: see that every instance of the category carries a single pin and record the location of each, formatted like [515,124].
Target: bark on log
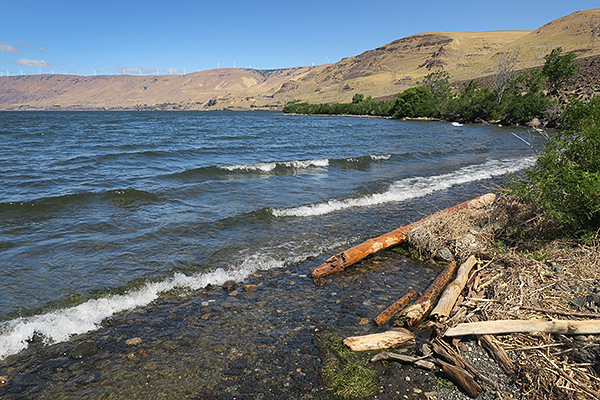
[428,365]
[441,312]
[443,349]
[341,261]
[389,312]
[524,326]
[412,315]
[498,353]
[384,340]
[462,379]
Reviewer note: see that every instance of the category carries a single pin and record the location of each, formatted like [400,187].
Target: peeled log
[523,326]
[442,311]
[384,340]
[389,312]
[463,379]
[341,261]
[412,315]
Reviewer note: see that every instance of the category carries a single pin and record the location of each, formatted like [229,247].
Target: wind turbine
[94,71]
[156,71]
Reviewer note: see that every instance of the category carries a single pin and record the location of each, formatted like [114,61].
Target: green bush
[566,178]
[416,102]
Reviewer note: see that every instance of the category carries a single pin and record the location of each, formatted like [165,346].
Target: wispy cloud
[42,49]
[148,70]
[82,49]
[7,48]
[130,71]
[32,63]
[173,71]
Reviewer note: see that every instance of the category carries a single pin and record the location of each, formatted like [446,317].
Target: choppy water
[105,215]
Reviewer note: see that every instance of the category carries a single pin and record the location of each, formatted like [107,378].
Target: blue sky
[147,37]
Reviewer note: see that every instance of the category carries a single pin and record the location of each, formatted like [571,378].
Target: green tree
[357,98]
[565,180]
[559,69]
[438,83]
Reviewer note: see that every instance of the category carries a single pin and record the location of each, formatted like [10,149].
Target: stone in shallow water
[84,349]
[229,285]
[444,255]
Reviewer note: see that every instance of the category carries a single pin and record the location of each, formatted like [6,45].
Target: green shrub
[565,180]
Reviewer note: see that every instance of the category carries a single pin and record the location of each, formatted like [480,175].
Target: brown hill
[380,72]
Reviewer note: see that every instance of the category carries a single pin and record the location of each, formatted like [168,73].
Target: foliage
[559,69]
[437,82]
[358,97]
[367,106]
[566,178]
[346,374]
[416,102]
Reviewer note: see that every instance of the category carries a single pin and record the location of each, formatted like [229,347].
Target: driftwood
[389,312]
[384,340]
[341,261]
[384,355]
[413,314]
[441,312]
[523,326]
[443,349]
[498,354]
[462,379]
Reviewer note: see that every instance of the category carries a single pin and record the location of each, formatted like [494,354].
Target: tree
[559,69]
[438,83]
[504,73]
[565,180]
[357,98]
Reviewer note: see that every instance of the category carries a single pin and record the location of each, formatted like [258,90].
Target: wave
[60,325]
[50,204]
[411,188]
[277,167]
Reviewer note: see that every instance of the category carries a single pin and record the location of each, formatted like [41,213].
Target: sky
[109,37]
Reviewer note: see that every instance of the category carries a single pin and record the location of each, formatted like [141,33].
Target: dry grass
[534,277]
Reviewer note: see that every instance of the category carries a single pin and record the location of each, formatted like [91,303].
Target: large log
[447,300]
[384,340]
[389,312]
[412,315]
[341,261]
[526,326]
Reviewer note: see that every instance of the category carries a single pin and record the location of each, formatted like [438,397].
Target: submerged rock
[229,285]
[84,349]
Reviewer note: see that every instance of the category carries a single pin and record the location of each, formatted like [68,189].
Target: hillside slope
[384,71]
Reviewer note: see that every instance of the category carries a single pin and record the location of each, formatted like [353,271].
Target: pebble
[250,288]
[3,381]
[229,285]
[134,341]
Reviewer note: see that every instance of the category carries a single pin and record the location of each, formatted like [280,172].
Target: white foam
[270,166]
[413,187]
[60,325]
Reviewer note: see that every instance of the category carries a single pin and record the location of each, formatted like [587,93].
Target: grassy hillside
[380,72]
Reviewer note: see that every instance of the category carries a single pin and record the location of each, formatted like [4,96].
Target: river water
[124,225]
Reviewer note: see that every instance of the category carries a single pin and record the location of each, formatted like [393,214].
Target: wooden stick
[389,312]
[498,354]
[385,340]
[441,312]
[342,260]
[525,326]
[542,310]
[443,349]
[384,355]
[412,315]
[462,379]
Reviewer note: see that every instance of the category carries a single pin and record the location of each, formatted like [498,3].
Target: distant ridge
[384,71]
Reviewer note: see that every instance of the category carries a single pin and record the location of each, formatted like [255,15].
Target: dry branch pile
[552,290]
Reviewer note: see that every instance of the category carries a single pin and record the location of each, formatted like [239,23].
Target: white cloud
[173,71]
[43,50]
[148,70]
[7,48]
[32,63]
[130,71]
[82,49]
